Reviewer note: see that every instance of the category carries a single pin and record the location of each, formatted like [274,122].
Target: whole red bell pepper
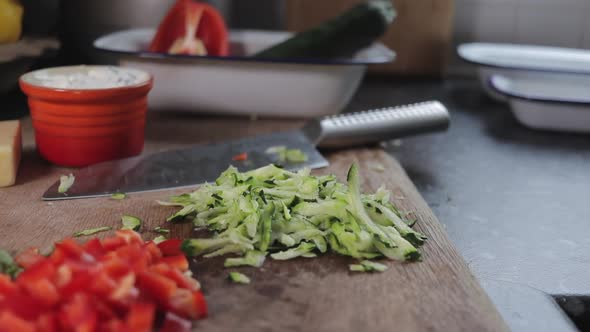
[192,28]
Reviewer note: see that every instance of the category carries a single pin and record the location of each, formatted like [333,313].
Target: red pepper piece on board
[47,323]
[10,322]
[78,314]
[94,247]
[157,286]
[171,247]
[116,284]
[174,323]
[178,261]
[190,26]
[177,276]
[7,287]
[141,317]
[29,257]
[240,157]
[43,291]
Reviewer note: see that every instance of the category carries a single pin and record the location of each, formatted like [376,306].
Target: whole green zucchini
[341,36]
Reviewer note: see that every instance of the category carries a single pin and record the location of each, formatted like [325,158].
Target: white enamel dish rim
[504,85]
[374,54]
[526,57]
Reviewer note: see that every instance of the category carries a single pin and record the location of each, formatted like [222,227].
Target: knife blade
[202,163]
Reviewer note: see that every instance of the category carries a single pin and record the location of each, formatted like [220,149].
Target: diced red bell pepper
[47,323]
[159,287]
[138,256]
[191,21]
[178,261]
[79,283]
[7,286]
[43,269]
[129,236]
[63,276]
[103,284]
[154,252]
[71,248]
[125,292]
[171,247]
[95,248]
[139,265]
[80,266]
[29,257]
[115,267]
[240,157]
[201,303]
[175,323]
[109,285]
[181,280]
[141,317]
[78,315]
[10,322]
[113,325]
[130,252]
[160,268]
[43,291]
[22,305]
[58,256]
[104,310]
[112,243]
[188,304]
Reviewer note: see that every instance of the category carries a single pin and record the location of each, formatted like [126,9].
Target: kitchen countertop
[514,201]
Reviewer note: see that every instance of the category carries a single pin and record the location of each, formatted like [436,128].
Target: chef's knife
[201,163]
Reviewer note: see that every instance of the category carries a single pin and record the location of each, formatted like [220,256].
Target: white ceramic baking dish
[553,102]
[239,84]
[533,61]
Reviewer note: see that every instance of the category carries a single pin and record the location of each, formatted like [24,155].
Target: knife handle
[378,125]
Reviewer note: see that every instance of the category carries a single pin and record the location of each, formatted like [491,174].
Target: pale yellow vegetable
[10,151]
[11,17]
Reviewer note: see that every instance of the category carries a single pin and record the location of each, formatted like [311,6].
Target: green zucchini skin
[339,37]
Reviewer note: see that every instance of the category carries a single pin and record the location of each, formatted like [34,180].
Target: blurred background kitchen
[488,175]
[425,26]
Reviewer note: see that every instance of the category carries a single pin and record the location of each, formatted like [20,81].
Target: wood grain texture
[437,294]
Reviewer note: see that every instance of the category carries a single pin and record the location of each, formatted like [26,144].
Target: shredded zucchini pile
[285,214]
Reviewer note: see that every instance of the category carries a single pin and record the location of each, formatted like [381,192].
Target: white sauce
[86,77]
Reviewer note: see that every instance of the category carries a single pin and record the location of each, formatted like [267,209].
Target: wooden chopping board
[437,294]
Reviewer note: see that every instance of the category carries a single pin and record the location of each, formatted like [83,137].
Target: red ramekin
[80,127]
